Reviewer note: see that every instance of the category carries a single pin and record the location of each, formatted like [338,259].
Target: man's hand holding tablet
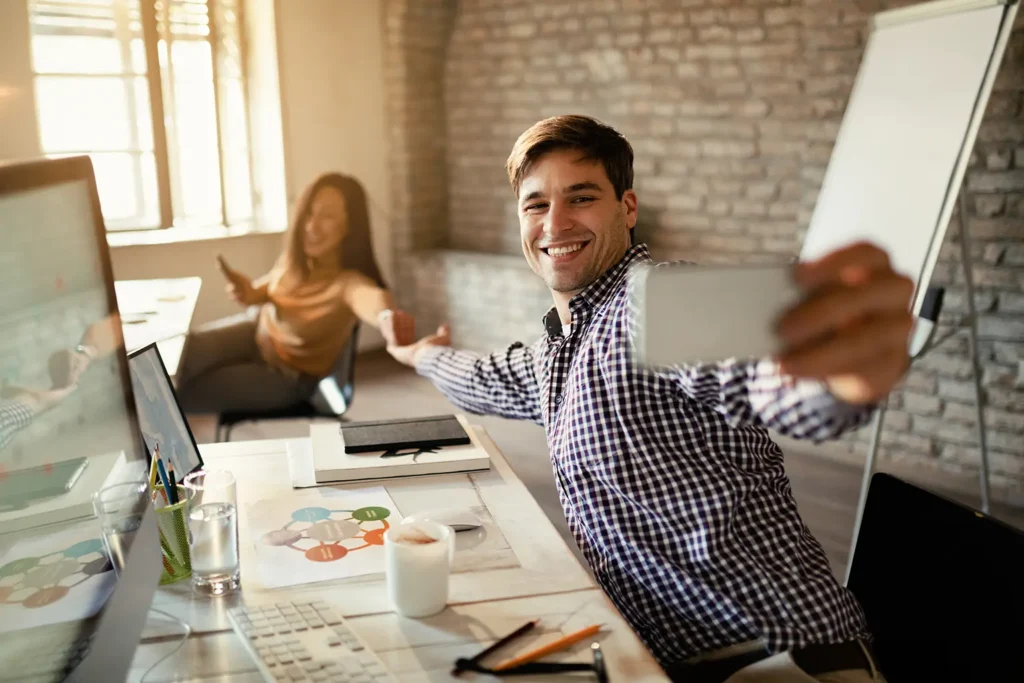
[844,319]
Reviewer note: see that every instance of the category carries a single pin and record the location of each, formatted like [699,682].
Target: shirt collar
[600,290]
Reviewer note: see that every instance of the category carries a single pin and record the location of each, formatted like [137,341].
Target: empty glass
[119,509]
[213,531]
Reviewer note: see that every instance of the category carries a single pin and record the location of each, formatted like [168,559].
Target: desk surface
[158,311]
[548,583]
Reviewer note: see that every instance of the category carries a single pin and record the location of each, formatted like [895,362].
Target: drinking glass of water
[119,509]
[213,531]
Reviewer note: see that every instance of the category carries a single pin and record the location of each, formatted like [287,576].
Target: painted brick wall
[732,107]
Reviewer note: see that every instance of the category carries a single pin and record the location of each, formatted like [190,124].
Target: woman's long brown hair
[356,250]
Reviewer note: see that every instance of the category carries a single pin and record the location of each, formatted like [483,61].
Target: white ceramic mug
[417,560]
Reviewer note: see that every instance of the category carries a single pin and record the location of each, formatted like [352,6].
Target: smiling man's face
[572,225]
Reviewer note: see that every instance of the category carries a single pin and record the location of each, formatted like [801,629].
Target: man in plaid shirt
[668,477]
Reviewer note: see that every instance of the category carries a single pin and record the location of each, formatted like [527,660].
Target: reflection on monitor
[68,426]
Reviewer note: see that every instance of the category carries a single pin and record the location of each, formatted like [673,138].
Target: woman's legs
[223,342]
[245,387]
[222,370]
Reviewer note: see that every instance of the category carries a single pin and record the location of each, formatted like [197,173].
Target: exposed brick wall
[732,108]
[416,35]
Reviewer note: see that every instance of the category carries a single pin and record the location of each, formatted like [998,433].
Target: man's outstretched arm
[501,383]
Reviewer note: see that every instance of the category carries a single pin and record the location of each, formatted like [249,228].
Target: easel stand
[930,318]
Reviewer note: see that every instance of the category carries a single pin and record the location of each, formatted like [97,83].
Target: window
[169,144]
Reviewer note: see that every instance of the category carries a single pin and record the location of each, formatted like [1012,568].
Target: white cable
[188,632]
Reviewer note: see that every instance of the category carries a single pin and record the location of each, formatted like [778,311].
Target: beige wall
[330,55]
[19,138]
[251,254]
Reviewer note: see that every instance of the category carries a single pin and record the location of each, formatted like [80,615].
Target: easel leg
[869,470]
[972,330]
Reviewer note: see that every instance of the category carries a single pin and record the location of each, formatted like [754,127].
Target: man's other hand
[852,329]
[408,354]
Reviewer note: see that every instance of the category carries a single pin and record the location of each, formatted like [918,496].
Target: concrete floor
[826,490]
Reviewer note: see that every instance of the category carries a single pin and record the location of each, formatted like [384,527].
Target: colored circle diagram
[35,582]
[325,535]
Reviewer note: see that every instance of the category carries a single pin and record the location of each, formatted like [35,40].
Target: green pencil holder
[172,520]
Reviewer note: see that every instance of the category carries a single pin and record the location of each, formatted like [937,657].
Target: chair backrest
[941,584]
[333,395]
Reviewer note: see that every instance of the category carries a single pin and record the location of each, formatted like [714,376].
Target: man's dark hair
[594,140]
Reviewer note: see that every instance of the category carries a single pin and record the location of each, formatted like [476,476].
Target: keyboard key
[310,667]
[333,641]
[295,672]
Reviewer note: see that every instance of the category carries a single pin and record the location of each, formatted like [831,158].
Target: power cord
[187,633]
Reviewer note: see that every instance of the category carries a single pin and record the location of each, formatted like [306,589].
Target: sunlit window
[180,158]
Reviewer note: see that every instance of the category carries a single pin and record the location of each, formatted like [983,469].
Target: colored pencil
[152,468]
[163,479]
[552,647]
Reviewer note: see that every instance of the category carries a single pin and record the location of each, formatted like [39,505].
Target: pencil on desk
[552,647]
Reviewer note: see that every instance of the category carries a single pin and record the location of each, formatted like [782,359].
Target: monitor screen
[67,417]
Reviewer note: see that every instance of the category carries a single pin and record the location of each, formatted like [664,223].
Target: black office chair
[941,585]
[332,398]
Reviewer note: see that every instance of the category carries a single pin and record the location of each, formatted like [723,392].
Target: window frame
[150,36]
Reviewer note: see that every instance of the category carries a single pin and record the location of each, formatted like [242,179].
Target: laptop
[942,586]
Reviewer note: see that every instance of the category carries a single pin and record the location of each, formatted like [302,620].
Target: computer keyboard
[44,654]
[306,640]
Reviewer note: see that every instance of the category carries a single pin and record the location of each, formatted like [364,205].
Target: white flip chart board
[908,131]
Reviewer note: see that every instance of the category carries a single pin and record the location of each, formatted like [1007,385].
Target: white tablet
[704,314]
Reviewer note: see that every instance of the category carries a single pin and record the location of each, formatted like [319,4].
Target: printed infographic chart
[321,535]
[65,576]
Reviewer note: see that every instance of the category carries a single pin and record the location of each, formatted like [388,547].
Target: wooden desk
[158,311]
[484,605]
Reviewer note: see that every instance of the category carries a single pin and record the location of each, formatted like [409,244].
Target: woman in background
[301,315]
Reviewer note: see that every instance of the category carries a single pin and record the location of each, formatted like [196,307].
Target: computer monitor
[941,586]
[68,428]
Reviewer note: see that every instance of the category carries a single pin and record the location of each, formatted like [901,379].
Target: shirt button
[558,399]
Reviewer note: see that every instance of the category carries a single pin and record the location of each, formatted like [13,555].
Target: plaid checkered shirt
[14,416]
[670,482]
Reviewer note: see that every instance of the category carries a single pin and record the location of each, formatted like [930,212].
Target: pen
[461,664]
[556,646]
[173,482]
[163,479]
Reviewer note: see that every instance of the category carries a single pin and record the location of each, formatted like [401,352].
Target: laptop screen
[941,585]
